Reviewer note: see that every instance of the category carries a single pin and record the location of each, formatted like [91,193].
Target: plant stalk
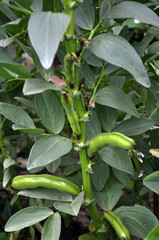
[69,42]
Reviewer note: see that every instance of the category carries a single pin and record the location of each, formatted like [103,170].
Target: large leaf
[16,115]
[137,219]
[117,51]
[117,158]
[45,193]
[93,127]
[107,117]
[52,228]
[27,217]
[100,175]
[38,85]
[131,9]
[110,194]
[47,149]
[45,31]
[133,126]
[85,15]
[114,97]
[71,208]
[8,63]
[152,182]
[50,110]
[154,234]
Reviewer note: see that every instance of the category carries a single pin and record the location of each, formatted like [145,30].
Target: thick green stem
[70,42]
[57,6]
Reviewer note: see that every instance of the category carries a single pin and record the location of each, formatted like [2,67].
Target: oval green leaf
[152,182]
[38,85]
[47,149]
[114,97]
[50,110]
[27,217]
[52,228]
[117,51]
[16,115]
[131,9]
[117,158]
[133,126]
[45,31]
[137,219]
[85,15]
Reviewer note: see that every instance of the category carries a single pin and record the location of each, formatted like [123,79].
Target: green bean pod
[118,226]
[112,139]
[69,68]
[44,180]
[67,102]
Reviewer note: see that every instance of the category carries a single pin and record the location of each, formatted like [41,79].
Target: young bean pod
[67,102]
[44,180]
[118,226]
[69,68]
[112,139]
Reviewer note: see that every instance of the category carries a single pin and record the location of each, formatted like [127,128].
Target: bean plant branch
[24,10]
[80,109]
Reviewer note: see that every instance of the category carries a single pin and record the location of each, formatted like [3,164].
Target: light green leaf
[38,85]
[5,42]
[27,217]
[47,149]
[71,208]
[45,31]
[154,234]
[130,9]
[50,110]
[152,182]
[52,228]
[133,126]
[117,51]
[137,219]
[37,5]
[109,196]
[87,236]
[45,193]
[16,115]
[117,158]
[154,152]
[85,15]
[114,97]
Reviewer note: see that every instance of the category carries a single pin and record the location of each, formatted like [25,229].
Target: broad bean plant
[79,117]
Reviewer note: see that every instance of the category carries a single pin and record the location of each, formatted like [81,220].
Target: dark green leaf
[137,219]
[85,15]
[133,126]
[152,182]
[50,110]
[114,97]
[117,158]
